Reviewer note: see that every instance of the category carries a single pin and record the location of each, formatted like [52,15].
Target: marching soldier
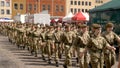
[96,47]
[81,42]
[68,37]
[36,40]
[43,42]
[111,37]
[50,43]
[57,36]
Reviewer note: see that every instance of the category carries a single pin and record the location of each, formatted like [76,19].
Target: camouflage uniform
[96,47]
[57,38]
[111,37]
[43,42]
[68,37]
[36,40]
[50,43]
[81,42]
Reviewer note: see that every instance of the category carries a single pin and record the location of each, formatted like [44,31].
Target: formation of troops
[92,47]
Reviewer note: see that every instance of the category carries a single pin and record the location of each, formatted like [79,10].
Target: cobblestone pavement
[11,57]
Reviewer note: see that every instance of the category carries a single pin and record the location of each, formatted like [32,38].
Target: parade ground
[12,57]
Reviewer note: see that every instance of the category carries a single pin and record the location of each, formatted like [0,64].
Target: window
[30,6]
[2,3]
[35,6]
[86,10]
[7,11]
[7,4]
[62,8]
[78,2]
[71,10]
[57,8]
[86,3]
[21,6]
[82,10]
[78,10]
[75,10]
[48,7]
[15,6]
[101,1]
[89,3]
[2,11]
[75,2]
[43,7]
[71,2]
[82,2]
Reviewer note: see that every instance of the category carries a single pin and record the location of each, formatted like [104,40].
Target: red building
[54,7]
[32,6]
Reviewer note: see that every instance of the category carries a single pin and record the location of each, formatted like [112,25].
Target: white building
[5,8]
[82,5]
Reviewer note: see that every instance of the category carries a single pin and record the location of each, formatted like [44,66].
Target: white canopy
[6,20]
[86,15]
[68,17]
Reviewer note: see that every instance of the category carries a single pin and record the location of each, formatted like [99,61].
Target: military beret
[97,26]
[67,26]
[83,26]
[93,25]
[109,25]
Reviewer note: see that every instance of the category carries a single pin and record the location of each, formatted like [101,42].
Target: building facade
[82,5]
[32,6]
[5,9]
[18,7]
[54,7]
[100,2]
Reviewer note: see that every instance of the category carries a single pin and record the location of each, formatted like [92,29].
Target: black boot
[77,60]
[24,47]
[43,57]
[60,56]
[32,52]
[18,46]
[57,64]
[65,66]
[49,61]
[36,54]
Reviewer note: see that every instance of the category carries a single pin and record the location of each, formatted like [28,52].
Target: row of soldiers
[92,48]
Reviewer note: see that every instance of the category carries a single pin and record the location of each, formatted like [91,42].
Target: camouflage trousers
[84,60]
[97,60]
[49,47]
[58,51]
[43,48]
[36,46]
[68,55]
[110,59]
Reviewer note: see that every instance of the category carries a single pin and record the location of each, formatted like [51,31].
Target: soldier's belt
[70,44]
[49,38]
[57,42]
[36,36]
[82,46]
[97,51]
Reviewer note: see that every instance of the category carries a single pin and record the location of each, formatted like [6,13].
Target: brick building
[32,6]
[54,7]
[18,7]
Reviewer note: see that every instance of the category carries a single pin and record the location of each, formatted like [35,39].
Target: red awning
[79,17]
